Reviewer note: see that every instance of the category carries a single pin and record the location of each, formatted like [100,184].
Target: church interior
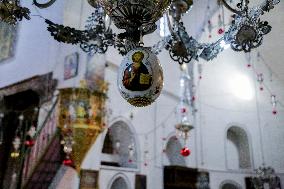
[141,94]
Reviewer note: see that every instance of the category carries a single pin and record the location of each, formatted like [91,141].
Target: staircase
[43,160]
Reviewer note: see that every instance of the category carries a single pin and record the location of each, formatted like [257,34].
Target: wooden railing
[43,138]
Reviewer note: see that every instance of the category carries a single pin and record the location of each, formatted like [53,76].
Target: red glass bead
[193,98]
[249,65]
[185,152]
[274,112]
[183,110]
[67,162]
[29,143]
[221,31]
[261,88]
[130,161]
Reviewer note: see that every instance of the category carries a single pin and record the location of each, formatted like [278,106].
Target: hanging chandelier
[138,18]
[265,175]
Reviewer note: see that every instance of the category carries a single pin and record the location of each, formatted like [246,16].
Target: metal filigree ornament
[66,34]
[176,45]
[247,29]
[140,77]
[96,38]
[138,18]
[180,7]
[250,36]
[265,175]
[182,48]
[11,12]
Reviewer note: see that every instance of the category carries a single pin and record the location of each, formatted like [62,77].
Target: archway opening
[21,103]
[118,142]
[238,149]
[119,183]
[230,185]
[173,152]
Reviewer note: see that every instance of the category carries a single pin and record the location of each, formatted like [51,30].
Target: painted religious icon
[136,76]
[89,179]
[7,40]
[71,66]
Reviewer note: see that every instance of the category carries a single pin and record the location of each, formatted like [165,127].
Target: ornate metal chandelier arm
[190,43]
[93,3]
[12,12]
[210,51]
[99,33]
[43,5]
[266,6]
[230,8]
[66,34]
[164,43]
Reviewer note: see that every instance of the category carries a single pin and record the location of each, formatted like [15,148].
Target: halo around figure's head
[138,56]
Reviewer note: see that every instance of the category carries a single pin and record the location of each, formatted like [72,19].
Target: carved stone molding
[43,85]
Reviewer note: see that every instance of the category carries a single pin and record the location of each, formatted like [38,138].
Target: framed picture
[71,66]
[89,179]
[8,34]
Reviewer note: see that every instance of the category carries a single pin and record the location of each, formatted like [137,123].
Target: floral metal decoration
[138,19]
[11,12]
[265,175]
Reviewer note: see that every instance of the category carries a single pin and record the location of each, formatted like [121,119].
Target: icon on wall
[8,34]
[89,179]
[71,66]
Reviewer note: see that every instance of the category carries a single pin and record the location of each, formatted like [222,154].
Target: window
[163,26]
[119,156]
[173,152]
[108,146]
[238,149]
[230,184]
[119,183]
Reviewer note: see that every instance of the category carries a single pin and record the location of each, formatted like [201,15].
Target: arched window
[119,183]
[118,155]
[230,185]
[173,152]
[108,144]
[238,149]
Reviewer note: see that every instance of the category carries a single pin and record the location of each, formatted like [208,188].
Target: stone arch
[237,148]
[230,184]
[122,132]
[172,151]
[119,181]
